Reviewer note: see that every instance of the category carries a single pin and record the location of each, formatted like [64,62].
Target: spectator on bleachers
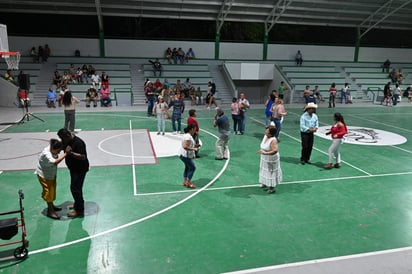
[181,55]
[66,78]
[92,96]
[332,95]
[79,74]
[178,88]
[174,56]
[198,96]
[317,94]
[299,58]
[158,87]
[168,55]
[47,52]
[105,79]
[400,77]
[190,54]
[57,79]
[166,84]
[306,94]
[51,98]
[9,76]
[34,55]
[105,100]
[40,52]
[90,71]
[96,81]
[157,67]
[394,75]
[386,66]
[150,98]
[344,93]
[85,73]
[73,72]
[187,88]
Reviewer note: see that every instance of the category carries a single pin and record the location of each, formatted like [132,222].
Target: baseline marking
[133,162]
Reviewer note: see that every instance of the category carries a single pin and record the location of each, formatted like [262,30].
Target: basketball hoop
[12,59]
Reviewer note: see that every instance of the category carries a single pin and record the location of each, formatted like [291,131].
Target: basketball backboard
[4,41]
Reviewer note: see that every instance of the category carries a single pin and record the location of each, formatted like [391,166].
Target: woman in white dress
[270,173]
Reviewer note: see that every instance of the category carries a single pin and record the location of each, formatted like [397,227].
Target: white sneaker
[174,132]
[178,132]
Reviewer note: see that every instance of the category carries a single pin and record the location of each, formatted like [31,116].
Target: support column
[265,47]
[357,45]
[217,46]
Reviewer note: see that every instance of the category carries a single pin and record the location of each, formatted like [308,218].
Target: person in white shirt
[244,105]
[96,81]
[46,174]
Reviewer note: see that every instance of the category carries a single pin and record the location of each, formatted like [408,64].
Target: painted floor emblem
[366,136]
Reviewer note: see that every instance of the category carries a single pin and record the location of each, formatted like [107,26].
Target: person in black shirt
[78,165]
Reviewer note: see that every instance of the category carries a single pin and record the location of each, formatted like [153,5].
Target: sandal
[190,185]
[271,190]
[329,166]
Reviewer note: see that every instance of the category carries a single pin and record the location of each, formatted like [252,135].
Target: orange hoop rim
[9,53]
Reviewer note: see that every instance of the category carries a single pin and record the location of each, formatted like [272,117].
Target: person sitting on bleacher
[168,55]
[9,75]
[105,100]
[85,73]
[158,86]
[105,79]
[317,94]
[73,72]
[157,67]
[386,65]
[67,78]
[96,81]
[51,98]
[181,55]
[79,74]
[187,88]
[57,79]
[198,96]
[190,54]
[92,96]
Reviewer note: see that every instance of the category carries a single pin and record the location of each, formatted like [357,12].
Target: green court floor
[227,223]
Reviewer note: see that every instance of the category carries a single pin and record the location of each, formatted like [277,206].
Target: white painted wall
[231,51]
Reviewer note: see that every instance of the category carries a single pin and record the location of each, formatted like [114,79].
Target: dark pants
[237,119]
[69,119]
[332,98]
[307,145]
[76,187]
[150,105]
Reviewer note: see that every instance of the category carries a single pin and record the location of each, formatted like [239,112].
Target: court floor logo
[366,136]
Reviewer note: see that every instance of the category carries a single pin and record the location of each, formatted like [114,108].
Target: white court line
[283,183]
[380,123]
[315,148]
[332,259]
[133,162]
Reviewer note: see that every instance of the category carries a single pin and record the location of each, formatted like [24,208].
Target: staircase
[44,81]
[137,78]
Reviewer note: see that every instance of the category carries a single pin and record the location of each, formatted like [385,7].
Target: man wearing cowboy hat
[309,124]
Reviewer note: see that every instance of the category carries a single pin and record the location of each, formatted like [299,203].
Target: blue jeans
[242,124]
[278,125]
[150,105]
[177,119]
[189,167]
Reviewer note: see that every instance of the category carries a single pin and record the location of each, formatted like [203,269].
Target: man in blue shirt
[309,124]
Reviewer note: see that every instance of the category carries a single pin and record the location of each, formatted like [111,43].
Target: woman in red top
[337,131]
[332,95]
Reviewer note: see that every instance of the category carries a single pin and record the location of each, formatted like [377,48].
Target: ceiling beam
[275,14]
[223,13]
[387,9]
